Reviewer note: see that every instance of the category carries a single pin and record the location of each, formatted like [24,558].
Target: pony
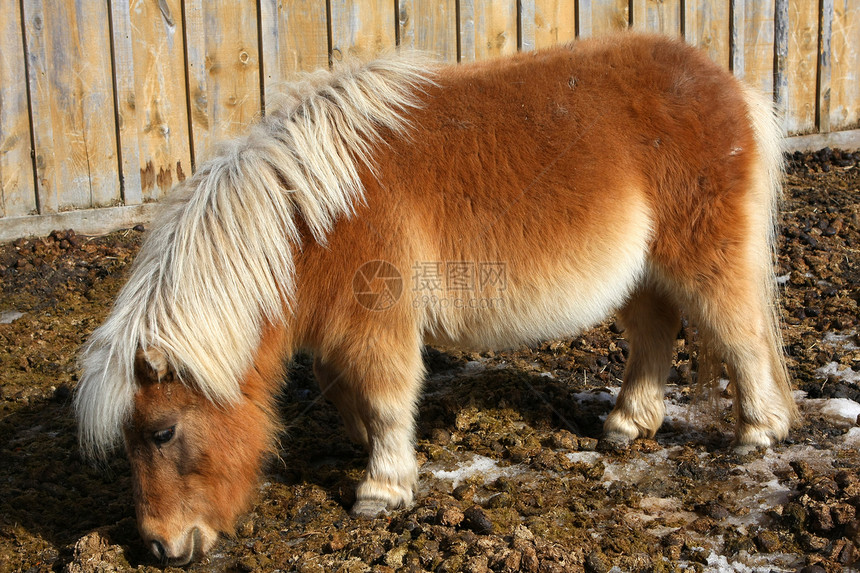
[384,205]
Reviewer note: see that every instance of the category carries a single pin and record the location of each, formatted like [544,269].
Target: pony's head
[195,464]
[186,366]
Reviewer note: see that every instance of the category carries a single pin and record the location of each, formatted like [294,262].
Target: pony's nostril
[196,541]
[159,551]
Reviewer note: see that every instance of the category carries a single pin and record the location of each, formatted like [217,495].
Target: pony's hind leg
[737,324]
[651,322]
[341,395]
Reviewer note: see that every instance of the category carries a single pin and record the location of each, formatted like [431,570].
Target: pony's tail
[767,129]
[765,194]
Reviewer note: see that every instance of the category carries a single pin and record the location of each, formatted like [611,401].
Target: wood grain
[638,16]
[72,99]
[362,28]
[125,104]
[825,19]
[662,16]
[759,45]
[609,16]
[223,70]
[780,59]
[151,98]
[845,65]
[17,190]
[737,38]
[526,25]
[555,22]
[488,29]
[707,26]
[802,66]
[83,221]
[429,25]
[294,38]
[584,26]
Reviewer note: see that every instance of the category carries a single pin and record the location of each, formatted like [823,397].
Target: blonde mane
[218,263]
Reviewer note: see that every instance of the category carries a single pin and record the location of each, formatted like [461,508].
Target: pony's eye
[163,436]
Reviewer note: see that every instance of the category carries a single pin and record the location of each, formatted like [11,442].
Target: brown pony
[393,203]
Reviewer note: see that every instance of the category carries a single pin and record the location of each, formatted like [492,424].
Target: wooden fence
[105,104]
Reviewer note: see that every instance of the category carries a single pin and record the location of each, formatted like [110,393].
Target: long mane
[218,262]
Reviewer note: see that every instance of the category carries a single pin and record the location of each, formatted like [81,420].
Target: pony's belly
[525,317]
[559,296]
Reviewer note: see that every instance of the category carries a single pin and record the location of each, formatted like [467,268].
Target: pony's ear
[151,365]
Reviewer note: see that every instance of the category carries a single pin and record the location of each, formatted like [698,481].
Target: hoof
[368,508]
[747,449]
[614,442]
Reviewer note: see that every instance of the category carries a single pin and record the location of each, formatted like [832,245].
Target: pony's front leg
[392,471]
[386,383]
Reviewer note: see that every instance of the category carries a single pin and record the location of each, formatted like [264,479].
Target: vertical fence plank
[489,28]
[151,97]
[362,27]
[802,65]
[294,38]
[759,45]
[125,104]
[845,65]
[584,25]
[429,25]
[526,25]
[710,27]
[609,16]
[94,139]
[780,59]
[555,22]
[17,189]
[223,70]
[822,114]
[661,16]
[738,37]
[637,12]
[72,96]
[466,27]
[688,20]
[40,103]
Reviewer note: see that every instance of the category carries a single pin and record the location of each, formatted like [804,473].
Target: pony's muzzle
[179,553]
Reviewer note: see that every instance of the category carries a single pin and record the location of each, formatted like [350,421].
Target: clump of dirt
[823,518]
[511,477]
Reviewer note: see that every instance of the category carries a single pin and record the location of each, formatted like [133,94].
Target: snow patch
[719,564]
[845,374]
[845,341]
[650,468]
[584,457]
[851,439]
[10,316]
[840,411]
[473,366]
[608,395]
[841,408]
[478,465]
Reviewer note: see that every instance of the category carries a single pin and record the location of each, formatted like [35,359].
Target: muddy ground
[511,476]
